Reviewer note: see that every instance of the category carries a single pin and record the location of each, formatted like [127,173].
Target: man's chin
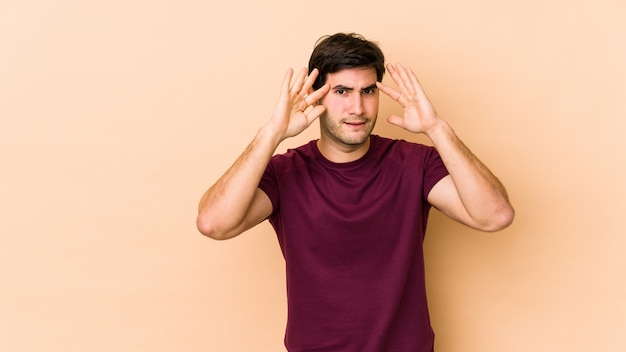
[355,139]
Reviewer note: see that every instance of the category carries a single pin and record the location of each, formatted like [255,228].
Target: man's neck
[342,153]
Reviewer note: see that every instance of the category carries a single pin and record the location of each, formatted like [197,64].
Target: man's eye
[369,91]
[340,91]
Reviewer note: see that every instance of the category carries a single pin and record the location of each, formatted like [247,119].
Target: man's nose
[356,104]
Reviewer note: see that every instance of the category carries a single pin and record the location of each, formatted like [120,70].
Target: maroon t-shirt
[352,235]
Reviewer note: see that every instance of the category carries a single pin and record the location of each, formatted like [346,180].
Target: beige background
[117,115]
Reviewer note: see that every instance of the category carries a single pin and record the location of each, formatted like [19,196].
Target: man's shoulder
[302,153]
[399,145]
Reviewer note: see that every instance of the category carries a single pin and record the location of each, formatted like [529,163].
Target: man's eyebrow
[341,86]
[371,86]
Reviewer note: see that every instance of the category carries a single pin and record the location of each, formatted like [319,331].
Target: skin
[347,106]
[351,111]
[470,194]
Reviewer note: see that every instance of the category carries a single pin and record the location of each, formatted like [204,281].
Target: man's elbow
[500,220]
[210,229]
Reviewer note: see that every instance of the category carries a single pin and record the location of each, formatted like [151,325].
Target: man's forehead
[353,77]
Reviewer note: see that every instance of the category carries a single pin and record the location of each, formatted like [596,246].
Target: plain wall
[117,115]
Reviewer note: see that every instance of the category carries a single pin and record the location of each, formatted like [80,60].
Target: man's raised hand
[297,106]
[419,114]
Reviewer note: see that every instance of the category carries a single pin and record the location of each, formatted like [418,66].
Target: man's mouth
[355,123]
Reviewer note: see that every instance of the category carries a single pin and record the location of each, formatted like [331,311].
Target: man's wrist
[439,130]
[267,134]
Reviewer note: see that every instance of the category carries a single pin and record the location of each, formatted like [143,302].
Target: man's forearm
[234,202]
[482,194]
[224,206]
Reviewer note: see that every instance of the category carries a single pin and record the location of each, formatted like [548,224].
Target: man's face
[351,107]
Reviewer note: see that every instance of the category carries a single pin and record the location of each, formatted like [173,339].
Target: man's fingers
[308,83]
[296,87]
[385,89]
[395,75]
[408,78]
[402,78]
[313,112]
[390,92]
[414,81]
[286,81]
[396,120]
[317,95]
[408,83]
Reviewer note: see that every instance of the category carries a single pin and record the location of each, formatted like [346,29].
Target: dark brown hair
[339,51]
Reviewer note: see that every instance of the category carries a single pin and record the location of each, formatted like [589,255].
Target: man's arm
[235,203]
[471,194]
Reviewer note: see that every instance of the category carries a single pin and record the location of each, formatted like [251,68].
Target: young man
[350,209]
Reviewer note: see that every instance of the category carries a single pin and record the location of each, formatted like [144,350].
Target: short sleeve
[269,184]
[434,170]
